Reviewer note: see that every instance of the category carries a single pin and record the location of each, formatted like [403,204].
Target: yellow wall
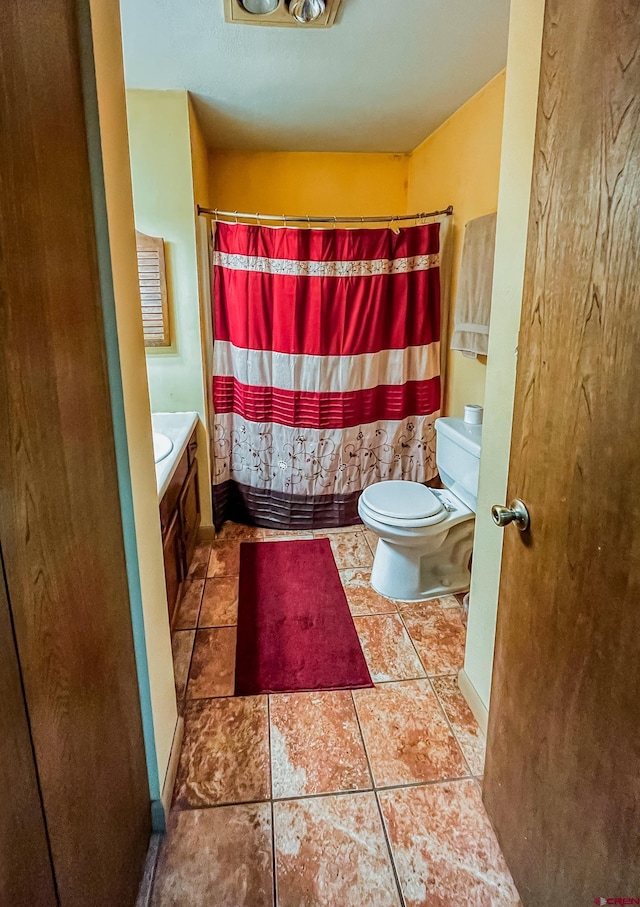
[105,18]
[459,165]
[164,200]
[309,183]
[523,73]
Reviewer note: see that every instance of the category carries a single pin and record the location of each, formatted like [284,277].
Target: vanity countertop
[178,428]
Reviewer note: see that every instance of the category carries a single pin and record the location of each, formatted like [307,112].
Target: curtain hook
[335,222]
[215,214]
[308,222]
[284,219]
[258,219]
[394,220]
[236,216]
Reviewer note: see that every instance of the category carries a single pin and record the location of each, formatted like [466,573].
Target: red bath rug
[295,630]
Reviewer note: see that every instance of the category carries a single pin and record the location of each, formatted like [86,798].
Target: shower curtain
[326,369]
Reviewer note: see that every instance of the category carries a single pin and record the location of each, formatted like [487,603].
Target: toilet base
[410,574]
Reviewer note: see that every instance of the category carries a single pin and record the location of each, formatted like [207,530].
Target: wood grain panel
[60,521]
[562,781]
[26,875]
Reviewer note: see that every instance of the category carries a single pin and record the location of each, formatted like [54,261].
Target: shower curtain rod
[238,216]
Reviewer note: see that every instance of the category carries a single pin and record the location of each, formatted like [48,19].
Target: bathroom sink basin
[162,446]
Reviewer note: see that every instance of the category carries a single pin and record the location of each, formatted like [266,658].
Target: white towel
[473,298]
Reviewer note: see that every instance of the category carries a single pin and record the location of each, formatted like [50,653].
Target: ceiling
[382,78]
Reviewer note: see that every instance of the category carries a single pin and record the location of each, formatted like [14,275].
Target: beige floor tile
[349,548]
[200,560]
[448,601]
[220,857]
[316,747]
[444,847]
[224,559]
[386,645]
[225,752]
[238,531]
[181,647]
[406,735]
[277,535]
[220,602]
[465,727]
[189,607]
[361,597]
[372,539]
[331,852]
[438,635]
[213,663]
[341,530]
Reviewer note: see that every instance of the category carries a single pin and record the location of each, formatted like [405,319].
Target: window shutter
[153,290]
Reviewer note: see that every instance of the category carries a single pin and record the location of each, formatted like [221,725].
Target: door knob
[517,513]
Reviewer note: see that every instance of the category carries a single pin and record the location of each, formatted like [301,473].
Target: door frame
[516,169]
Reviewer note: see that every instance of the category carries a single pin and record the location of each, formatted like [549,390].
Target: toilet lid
[402,500]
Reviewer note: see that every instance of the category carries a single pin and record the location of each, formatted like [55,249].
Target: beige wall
[459,165]
[115,150]
[309,183]
[523,72]
[164,171]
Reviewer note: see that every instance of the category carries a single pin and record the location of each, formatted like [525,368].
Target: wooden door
[60,522]
[562,781]
[26,876]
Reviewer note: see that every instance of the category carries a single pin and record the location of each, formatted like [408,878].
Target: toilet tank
[458,457]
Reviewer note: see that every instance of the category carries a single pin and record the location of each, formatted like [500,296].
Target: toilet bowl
[426,534]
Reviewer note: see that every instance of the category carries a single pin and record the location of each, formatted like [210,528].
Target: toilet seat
[403,504]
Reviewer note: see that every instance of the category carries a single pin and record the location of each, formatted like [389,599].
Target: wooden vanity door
[190,513]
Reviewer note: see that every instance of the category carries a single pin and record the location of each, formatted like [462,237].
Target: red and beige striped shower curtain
[326,369]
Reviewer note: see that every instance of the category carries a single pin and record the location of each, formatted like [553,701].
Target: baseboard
[206,534]
[172,768]
[477,706]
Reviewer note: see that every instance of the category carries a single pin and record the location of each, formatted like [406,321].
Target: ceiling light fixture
[306,11]
[260,7]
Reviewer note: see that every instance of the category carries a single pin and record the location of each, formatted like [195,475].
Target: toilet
[426,534]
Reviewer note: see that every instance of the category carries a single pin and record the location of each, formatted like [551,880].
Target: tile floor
[330,799]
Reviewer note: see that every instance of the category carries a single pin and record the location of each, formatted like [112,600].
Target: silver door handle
[517,513]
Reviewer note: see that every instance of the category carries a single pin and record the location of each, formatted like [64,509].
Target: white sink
[162,446]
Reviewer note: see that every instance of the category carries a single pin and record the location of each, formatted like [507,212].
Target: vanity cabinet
[180,520]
